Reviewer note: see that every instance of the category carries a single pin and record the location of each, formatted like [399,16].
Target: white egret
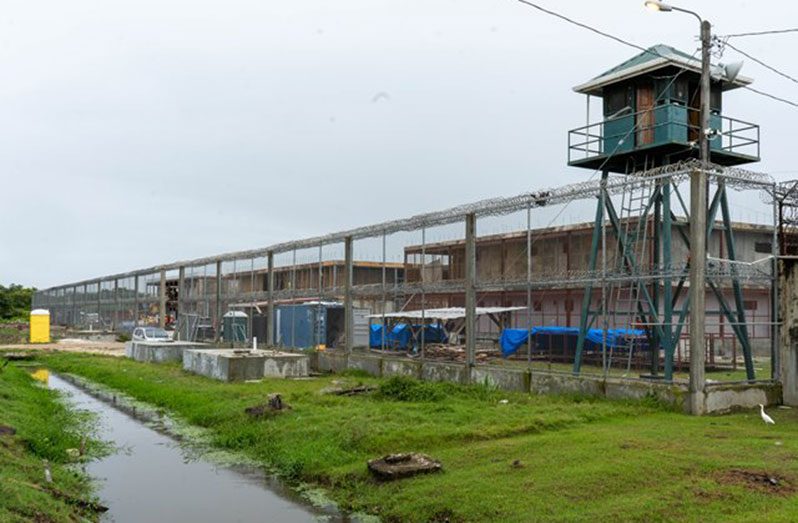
[767,419]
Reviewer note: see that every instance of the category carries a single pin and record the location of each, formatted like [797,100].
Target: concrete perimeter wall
[720,397]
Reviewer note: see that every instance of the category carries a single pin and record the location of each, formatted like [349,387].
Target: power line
[635,46]
[760,62]
[761,33]
[772,96]
[589,28]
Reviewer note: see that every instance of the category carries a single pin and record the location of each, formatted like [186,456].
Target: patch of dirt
[757,480]
[108,348]
[444,516]
[707,496]
[42,518]
[6,430]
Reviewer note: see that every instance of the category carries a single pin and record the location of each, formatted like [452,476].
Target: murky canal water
[152,479]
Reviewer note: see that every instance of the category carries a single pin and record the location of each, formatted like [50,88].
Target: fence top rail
[677,172]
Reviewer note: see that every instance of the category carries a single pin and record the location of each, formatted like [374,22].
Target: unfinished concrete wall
[330,361]
[366,363]
[720,397]
[727,397]
[788,342]
[397,367]
[285,365]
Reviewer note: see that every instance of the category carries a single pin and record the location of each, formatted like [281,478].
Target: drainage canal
[152,478]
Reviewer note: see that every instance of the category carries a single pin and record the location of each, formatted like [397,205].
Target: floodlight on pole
[658,6]
[667,8]
[732,70]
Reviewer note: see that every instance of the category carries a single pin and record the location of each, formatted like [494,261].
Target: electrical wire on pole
[762,33]
[627,43]
[760,62]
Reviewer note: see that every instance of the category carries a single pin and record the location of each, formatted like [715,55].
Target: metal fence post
[85,301]
[99,306]
[162,300]
[349,317]
[181,284]
[217,322]
[136,301]
[73,320]
[271,334]
[115,323]
[470,290]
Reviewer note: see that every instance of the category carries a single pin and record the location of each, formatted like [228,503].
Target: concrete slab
[225,364]
[158,352]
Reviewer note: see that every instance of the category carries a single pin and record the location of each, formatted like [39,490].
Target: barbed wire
[733,177]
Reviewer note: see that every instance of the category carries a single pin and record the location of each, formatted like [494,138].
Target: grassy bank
[13,333]
[45,429]
[531,459]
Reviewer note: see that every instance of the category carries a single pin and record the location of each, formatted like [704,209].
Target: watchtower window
[617,99]
[671,90]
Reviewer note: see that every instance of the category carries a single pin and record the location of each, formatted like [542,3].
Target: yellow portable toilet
[40,326]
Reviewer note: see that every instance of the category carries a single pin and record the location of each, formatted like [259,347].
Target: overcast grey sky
[139,132]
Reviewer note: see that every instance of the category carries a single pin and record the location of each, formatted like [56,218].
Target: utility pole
[698,238]
[698,221]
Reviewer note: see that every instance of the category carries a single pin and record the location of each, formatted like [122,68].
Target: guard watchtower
[651,115]
[651,118]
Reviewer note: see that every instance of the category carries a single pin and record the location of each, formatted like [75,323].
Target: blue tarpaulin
[397,338]
[400,337]
[512,339]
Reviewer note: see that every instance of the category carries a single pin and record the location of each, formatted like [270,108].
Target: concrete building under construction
[616,283]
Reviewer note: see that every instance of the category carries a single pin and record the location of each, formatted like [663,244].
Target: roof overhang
[596,86]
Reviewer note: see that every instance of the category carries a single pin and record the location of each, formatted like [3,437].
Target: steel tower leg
[588,293]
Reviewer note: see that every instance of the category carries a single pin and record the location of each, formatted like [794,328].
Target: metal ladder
[625,296]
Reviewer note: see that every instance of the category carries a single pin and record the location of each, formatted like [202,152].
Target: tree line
[15,302]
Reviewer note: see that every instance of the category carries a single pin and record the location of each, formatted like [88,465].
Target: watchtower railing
[670,123]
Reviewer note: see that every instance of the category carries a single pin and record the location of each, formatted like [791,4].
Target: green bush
[15,302]
[401,388]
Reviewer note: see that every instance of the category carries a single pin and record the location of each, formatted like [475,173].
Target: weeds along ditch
[41,439]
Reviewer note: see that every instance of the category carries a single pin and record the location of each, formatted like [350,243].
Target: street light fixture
[698,223]
[658,6]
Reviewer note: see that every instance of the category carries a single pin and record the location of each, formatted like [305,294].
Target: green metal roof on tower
[650,106]
[655,57]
